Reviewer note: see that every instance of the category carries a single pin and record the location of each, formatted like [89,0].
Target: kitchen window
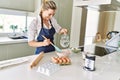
[9,18]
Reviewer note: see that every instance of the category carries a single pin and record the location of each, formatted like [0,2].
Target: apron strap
[42,21]
[51,23]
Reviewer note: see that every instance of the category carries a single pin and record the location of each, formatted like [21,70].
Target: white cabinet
[23,5]
[91,2]
[117,21]
[9,51]
[3,52]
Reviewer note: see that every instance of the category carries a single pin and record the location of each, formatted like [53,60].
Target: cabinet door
[3,52]
[91,2]
[27,5]
[19,50]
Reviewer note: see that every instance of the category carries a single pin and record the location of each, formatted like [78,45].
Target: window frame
[14,12]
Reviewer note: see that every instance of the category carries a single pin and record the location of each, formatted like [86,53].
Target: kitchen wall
[76,27]
[106,22]
[63,16]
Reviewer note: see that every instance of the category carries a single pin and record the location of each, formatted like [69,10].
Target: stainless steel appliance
[98,50]
[111,34]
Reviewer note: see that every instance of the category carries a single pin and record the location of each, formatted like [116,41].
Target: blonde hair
[43,1]
[46,4]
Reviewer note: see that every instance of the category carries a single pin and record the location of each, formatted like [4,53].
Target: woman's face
[48,14]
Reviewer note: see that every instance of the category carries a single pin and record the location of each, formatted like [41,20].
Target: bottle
[89,62]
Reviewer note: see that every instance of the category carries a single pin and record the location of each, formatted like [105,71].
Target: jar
[89,62]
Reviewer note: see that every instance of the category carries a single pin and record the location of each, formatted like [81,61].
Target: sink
[97,50]
[16,36]
[19,37]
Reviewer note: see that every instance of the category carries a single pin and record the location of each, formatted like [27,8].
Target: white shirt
[35,27]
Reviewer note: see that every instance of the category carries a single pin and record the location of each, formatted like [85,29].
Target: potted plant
[14,27]
[1,26]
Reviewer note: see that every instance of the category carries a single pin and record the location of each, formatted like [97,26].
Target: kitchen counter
[107,68]
[7,40]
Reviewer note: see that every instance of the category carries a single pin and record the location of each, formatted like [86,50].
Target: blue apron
[48,33]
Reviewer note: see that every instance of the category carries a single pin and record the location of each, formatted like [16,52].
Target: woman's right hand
[46,42]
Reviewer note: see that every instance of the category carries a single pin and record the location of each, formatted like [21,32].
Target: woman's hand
[63,31]
[46,42]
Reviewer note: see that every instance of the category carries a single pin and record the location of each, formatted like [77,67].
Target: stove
[98,50]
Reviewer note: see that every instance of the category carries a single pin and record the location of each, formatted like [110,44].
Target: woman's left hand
[63,31]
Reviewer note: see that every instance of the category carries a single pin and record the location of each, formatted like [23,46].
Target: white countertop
[107,68]
[7,40]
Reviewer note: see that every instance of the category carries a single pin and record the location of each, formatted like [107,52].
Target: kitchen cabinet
[22,5]
[15,50]
[3,52]
[100,5]
[91,2]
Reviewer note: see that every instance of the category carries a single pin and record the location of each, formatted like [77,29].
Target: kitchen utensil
[63,53]
[56,48]
[111,34]
[64,41]
[37,60]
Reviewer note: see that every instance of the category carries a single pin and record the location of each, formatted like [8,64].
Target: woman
[44,25]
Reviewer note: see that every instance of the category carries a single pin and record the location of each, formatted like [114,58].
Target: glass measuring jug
[64,40]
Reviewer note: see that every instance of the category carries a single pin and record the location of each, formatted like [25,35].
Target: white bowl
[64,53]
[75,50]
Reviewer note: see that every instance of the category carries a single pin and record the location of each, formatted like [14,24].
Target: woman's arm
[39,44]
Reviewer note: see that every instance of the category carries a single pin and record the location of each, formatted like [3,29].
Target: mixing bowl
[64,53]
